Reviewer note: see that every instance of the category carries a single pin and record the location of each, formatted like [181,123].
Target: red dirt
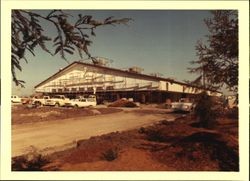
[122,103]
[164,146]
[180,145]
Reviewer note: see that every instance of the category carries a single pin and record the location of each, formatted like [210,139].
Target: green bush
[204,111]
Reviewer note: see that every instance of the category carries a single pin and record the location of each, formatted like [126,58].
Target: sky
[159,41]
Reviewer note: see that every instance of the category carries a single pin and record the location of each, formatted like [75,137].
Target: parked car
[57,100]
[40,101]
[15,99]
[83,102]
[184,104]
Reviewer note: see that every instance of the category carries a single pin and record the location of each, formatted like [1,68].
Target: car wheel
[57,105]
[38,104]
[76,106]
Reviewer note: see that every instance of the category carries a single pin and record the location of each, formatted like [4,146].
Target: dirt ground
[168,146]
[21,114]
[50,129]
[178,145]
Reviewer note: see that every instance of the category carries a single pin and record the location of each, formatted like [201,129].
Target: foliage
[110,154]
[28,33]
[218,56]
[155,135]
[29,162]
[204,112]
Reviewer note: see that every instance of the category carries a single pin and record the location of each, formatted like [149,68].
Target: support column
[143,98]
[117,96]
[159,97]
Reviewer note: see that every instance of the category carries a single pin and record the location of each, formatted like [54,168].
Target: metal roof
[119,71]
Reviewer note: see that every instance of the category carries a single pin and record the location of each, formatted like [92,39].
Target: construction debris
[123,103]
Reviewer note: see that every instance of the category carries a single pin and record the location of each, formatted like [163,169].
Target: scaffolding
[93,81]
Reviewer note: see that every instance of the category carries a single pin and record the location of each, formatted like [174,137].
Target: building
[111,84]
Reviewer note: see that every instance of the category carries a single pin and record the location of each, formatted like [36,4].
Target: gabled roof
[139,75]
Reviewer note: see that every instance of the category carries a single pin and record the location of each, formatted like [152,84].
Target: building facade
[110,84]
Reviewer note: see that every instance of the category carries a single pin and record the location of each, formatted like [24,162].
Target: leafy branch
[28,33]
[218,56]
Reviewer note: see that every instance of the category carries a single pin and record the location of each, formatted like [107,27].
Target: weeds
[110,154]
[29,163]
[155,135]
[32,161]
[142,130]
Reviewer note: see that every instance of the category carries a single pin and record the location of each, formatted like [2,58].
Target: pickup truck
[57,100]
[40,101]
[184,104]
[82,102]
[15,99]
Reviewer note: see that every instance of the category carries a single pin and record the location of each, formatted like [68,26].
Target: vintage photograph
[124,90]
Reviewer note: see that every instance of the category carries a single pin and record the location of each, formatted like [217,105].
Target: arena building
[111,84]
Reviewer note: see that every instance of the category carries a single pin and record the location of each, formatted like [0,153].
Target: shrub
[142,130]
[204,112]
[155,135]
[110,154]
[29,162]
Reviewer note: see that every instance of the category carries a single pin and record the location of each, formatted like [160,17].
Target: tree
[28,33]
[218,56]
[203,110]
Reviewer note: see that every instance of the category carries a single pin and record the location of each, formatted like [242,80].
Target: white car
[40,101]
[184,104]
[84,102]
[15,99]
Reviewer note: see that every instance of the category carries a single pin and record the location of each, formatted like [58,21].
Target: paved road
[60,134]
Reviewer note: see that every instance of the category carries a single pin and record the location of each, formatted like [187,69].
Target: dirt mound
[168,131]
[201,151]
[95,148]
[123,103]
